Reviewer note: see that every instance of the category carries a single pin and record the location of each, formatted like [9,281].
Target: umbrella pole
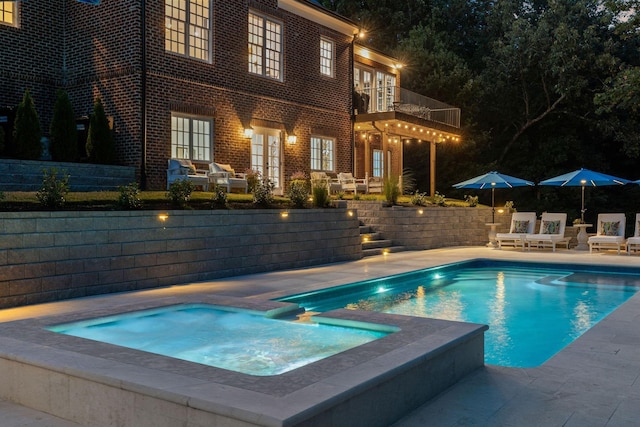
[582,209]
[493,209]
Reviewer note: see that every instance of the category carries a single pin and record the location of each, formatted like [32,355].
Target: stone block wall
[26,175]
[434,227]
[48,256]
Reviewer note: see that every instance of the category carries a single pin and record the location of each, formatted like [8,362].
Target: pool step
[373,243]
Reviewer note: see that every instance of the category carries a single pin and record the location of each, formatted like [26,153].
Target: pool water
[234,340]
[533,310]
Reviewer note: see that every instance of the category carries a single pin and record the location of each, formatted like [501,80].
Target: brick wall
[47,256]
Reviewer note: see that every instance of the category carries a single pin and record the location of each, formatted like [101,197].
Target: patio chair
[633,242]
[324,180]
[374,184]
[181,169]
[223,175]
[551,234]
[522,223]
[610,232]
[349,183]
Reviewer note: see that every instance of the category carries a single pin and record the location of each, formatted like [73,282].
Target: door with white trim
[266,155]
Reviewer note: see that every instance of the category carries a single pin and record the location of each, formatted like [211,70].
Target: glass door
[266,155]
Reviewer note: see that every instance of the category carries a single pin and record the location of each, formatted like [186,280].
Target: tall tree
[63,130]
[26,131]
[100,145]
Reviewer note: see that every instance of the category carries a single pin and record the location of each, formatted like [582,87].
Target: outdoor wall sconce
[248,133]
[292,139]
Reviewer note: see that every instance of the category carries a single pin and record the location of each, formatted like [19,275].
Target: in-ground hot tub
[95,383]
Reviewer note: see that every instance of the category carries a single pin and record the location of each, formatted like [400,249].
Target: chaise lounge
[610,232]
[522,223]
[552,227]
[633,243]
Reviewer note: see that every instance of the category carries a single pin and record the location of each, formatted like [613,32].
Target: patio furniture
[181,169]
[374,184]
[610,234]
[324,180]
[633,243]
[522,223]
[551,234]
[223,175]
[349,183]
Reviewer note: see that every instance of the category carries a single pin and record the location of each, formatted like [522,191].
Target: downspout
[351,114]
[143,96]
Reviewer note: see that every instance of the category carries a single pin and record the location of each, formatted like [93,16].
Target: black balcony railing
[395,98]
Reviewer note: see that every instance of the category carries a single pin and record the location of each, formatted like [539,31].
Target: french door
[266,155]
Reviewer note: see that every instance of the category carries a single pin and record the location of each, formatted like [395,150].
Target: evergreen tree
[100,145]
[64,138]
[26,131]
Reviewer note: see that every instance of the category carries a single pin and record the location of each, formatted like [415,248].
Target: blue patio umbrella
[493,180]
[583,178]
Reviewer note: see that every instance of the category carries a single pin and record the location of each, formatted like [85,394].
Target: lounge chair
[349,183]
[610,232]
[551,232]
[633,243]
[181,169]
[221,175]
[374,184]
[322,179]
[522,223]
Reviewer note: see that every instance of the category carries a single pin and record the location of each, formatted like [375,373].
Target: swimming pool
[236,340]
[533,310]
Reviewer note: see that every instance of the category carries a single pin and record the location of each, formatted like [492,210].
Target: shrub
[129,197]
[263,193]
[253,177]
[419,199]
[391,190]
[298,191]
[320,195]
[472,200]
[439,199]
[27,132]
[63,130]
[2,146]
[101,148]
[219,199]
[180,191]
[54,189]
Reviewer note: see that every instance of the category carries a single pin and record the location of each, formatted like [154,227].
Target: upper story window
[265,46]
[191,137]
[326,57]
[9,13]
[322,153]
[188,28]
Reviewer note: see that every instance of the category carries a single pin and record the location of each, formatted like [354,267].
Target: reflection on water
[532,313]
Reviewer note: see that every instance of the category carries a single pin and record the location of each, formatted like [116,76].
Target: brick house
[260,84]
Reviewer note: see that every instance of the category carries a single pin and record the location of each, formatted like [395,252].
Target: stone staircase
[374,244]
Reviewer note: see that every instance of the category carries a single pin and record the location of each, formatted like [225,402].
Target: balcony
[373,104]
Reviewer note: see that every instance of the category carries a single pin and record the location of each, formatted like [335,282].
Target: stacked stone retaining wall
[432,227]
[47,256]
[26,175]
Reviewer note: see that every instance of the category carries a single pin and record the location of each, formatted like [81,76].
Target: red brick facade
[93,51]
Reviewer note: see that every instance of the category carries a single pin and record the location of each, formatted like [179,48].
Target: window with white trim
[326,57]
[188,28]
[191,137]
[322,153]
[378,163]
[9,13]
[265,46]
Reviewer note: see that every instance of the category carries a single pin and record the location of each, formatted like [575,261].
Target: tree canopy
[545,87]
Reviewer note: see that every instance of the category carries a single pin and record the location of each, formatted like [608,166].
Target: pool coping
[297,397]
